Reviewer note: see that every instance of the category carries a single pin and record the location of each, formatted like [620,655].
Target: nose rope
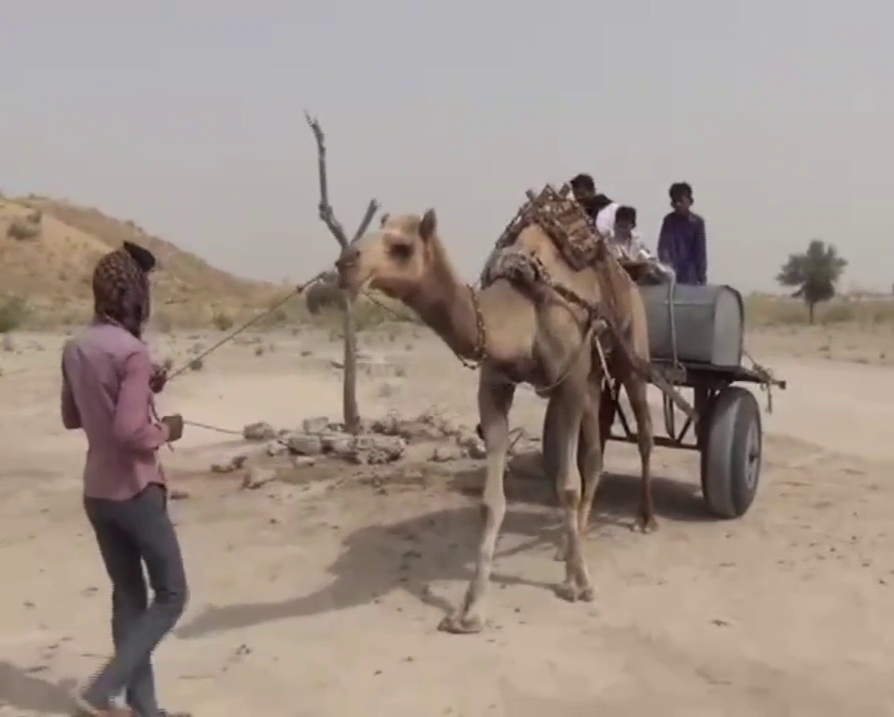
[297,291]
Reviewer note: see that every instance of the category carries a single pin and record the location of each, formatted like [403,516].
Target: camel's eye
[400,251]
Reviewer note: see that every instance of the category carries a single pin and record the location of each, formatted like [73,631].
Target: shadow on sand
[24,690]
[440,545]
[616,500]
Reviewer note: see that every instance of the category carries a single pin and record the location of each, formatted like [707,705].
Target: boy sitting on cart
[628,248]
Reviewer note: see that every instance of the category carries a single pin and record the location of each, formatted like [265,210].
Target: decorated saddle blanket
[563,220]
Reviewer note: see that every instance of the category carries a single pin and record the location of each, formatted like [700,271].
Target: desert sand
[319,592]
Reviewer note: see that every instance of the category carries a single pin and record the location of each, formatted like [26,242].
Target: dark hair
[583,182]
[678,190]
[626,214]
[600,202]
[144,258]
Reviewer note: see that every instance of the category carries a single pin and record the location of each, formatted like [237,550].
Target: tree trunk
[349,399]
[810,307]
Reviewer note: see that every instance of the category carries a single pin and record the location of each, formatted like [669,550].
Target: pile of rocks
[378,442]
[456,441]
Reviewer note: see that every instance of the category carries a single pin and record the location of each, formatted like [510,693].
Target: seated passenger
[584,191]
[627,246]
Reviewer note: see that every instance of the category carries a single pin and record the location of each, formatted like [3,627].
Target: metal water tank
[710,323]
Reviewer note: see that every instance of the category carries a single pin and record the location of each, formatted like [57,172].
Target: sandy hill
[48,248]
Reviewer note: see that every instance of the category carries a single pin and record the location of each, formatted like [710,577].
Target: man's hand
[159,378]
[175,426]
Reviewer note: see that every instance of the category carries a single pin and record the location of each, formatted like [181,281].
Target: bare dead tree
[327,216]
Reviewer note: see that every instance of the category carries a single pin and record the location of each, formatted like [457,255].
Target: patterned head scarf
[121,287]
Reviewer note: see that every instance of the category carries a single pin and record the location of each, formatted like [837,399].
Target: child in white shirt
[625,241]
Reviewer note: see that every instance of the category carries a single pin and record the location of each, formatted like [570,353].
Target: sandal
[85,709]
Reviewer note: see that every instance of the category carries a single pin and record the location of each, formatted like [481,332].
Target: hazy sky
[187,117]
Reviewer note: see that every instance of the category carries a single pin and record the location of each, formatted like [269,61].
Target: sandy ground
[319,594]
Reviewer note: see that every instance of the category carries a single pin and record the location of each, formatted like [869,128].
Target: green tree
[815,273]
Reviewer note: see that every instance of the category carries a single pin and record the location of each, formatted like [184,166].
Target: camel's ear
[384,219]
[428,225]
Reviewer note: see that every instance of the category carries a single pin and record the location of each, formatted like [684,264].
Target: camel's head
[395,260]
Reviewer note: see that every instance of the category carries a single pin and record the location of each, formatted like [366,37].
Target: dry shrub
[222,321]
[762,310]
[324,295]
[161,321]
[14,313]
[23,229]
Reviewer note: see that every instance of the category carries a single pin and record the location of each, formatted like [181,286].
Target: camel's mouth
[351,279]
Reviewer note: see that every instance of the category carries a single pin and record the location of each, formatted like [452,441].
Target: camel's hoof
[459,624]
[645,526]
[568,591]
[587,594]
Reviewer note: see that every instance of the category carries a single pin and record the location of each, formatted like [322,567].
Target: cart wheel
[731,453]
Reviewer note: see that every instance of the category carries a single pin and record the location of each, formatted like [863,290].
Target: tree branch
[327,214]
[371,210]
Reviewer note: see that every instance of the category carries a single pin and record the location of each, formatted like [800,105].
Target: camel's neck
[446,305]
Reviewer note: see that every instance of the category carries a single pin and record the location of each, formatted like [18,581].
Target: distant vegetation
[48,248]
[815,274]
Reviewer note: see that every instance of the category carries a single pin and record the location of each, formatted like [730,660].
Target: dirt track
[319,595]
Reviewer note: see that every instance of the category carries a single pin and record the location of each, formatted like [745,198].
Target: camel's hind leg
[567,406]
[494,402]
[589,458]
[636,386]
[590,455]
[608,407]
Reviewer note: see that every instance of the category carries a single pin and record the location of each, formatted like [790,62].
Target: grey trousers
[131,534]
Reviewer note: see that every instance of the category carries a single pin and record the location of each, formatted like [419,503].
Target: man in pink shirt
[108,382]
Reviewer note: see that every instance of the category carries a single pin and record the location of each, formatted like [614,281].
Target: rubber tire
[733,416]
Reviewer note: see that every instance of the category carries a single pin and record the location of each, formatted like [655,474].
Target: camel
[517,336]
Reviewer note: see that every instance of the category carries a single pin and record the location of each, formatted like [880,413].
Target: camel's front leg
[494,402]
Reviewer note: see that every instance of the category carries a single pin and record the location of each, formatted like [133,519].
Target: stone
[257,477]
[303,444]
[471,444]
[339,444]
[387,426]
[276,448]
[443,454]
[232,465]
[377,450]
[365,426]
[317,424]
[524,444]
[258,432]
[303,461]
